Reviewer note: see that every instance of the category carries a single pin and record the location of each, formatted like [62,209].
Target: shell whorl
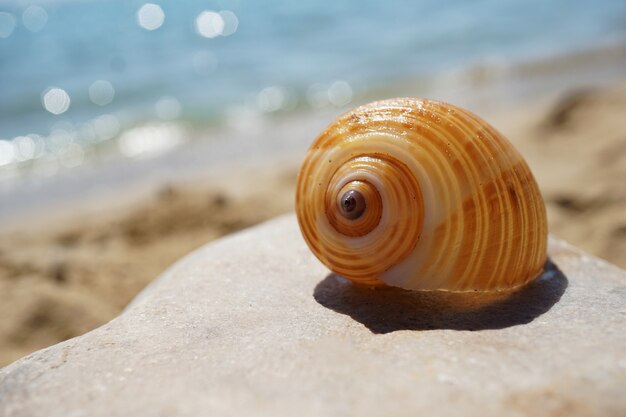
[449,203]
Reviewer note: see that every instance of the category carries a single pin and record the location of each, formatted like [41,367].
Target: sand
[65,274]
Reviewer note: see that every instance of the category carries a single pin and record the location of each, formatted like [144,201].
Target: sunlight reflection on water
[150,16]
[34,18]
[7,24]
[55,100]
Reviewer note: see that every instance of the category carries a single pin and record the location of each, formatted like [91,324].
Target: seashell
[421,195]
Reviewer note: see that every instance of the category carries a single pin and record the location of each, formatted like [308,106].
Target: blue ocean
[83,72]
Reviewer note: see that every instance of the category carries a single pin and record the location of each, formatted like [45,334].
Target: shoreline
[78,246]
[484,88]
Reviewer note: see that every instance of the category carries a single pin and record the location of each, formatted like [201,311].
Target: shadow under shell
[387,309]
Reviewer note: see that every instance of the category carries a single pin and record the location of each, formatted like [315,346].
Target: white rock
[254,325]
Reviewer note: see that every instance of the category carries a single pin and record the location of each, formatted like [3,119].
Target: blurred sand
[79,270]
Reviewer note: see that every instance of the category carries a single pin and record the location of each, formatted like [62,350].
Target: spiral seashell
[421,195]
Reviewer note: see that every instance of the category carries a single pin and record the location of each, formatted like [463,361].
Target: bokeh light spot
[231,23]
[340,93]
[150,16]
[24,148]
[317,95]
[151,140]
[7,24]
[106,127]
[337,94]
[271,99]
[60,139]
[55,100]
[7,152]
[34,18]
[101,92]
[40,145]
[209,24]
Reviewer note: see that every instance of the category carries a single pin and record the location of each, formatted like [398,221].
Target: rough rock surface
[254,325]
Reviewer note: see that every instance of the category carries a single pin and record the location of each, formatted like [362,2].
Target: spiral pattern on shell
[421,195]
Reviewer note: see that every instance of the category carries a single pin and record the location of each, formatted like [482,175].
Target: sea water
[77,72]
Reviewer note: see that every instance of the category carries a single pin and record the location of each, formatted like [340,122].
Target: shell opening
[352,205]
[365,212]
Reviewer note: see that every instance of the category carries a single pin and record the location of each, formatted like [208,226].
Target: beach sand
[66,273]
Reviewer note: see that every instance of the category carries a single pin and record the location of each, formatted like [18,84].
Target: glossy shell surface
[449,203]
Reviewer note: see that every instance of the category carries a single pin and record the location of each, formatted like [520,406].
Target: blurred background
[134,132]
